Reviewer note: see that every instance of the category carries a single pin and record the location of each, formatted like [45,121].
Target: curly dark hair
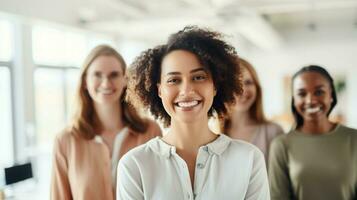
[218,57]
[322,71]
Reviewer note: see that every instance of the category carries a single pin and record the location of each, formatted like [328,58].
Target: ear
[159,89]
[215,92]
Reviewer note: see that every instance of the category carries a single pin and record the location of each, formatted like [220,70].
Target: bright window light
[6,40]
[6,141]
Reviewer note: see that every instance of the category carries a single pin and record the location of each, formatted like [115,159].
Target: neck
[109,117]
[241,119]
[317,127]
[189,137]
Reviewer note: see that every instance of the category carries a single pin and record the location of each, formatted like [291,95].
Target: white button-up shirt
[225,169]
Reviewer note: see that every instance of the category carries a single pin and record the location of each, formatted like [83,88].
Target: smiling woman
[318,159]
[183,82]
[105,127]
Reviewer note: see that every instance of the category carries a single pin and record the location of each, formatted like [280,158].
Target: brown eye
[319,92]
[113,75]
[173,80]
[97,74]
[248,82]
[301,94]
[199,78]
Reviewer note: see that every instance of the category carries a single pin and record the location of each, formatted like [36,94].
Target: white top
[119,138]
[226,169]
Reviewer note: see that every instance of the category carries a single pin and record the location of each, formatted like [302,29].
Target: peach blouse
[82,168]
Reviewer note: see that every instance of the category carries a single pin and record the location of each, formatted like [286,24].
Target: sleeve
[280,184]
[258,188]
[60,188]
[129,185]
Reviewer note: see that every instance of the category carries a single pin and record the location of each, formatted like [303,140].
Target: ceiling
[261,22]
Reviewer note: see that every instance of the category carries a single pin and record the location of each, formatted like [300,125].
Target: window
[6,112]
[57,54]
[6,40]
[6,142]
[55,47]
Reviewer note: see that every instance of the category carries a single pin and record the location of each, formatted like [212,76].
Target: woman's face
[245,101]
[105,80]
[312,96]
[186,88]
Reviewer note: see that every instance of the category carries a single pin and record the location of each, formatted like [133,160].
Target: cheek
[166,94]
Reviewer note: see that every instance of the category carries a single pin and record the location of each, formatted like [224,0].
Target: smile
[187,104]
[313,110]
[106,91]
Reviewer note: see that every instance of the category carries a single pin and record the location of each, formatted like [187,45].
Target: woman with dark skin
[183,82]
[318,158]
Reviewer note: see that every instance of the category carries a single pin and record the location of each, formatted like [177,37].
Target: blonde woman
[246,120]
[105,127]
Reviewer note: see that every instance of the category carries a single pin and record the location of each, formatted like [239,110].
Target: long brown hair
[256,110]
[85,121]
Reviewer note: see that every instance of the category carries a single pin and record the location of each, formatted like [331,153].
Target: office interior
[43,43]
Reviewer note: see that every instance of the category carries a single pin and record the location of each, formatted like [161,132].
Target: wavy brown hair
[256,111]
[217,56]
[85,122]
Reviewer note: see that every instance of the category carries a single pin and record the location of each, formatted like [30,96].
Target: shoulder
[244,148]
[65,136]
[140,154]
[153,130]
[346,129]
[273,129]
[67,139]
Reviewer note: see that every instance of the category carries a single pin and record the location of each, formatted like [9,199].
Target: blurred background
[43,42]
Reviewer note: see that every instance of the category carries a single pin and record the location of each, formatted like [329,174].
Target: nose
[187,88]
[310,99]
[105,82]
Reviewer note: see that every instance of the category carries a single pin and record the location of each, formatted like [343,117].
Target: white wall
[333,48]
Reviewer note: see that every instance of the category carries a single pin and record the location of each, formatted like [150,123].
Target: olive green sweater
[314,167]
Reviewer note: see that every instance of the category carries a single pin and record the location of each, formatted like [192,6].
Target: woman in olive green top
[318,159]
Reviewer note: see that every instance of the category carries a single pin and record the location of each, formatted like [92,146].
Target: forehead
[246,73]
[310,80]
[106,64]
[180,61]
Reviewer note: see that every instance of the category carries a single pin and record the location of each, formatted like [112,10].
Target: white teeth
[313,110]
[106,91]
[187,104]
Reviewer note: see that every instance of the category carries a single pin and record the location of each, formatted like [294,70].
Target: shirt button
[188,195]
[200,166]
[205,148]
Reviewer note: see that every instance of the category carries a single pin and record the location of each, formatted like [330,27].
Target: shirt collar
[218,146]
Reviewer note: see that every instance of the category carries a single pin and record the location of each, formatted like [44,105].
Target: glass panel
[72,78]
[6,141]
[52,46]
[6,40]
[49,102]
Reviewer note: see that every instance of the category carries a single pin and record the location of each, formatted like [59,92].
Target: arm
[258,188]
[60,188]
[280,184]
[129,185]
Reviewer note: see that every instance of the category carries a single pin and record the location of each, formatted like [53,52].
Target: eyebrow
[192,71]
[317,87]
